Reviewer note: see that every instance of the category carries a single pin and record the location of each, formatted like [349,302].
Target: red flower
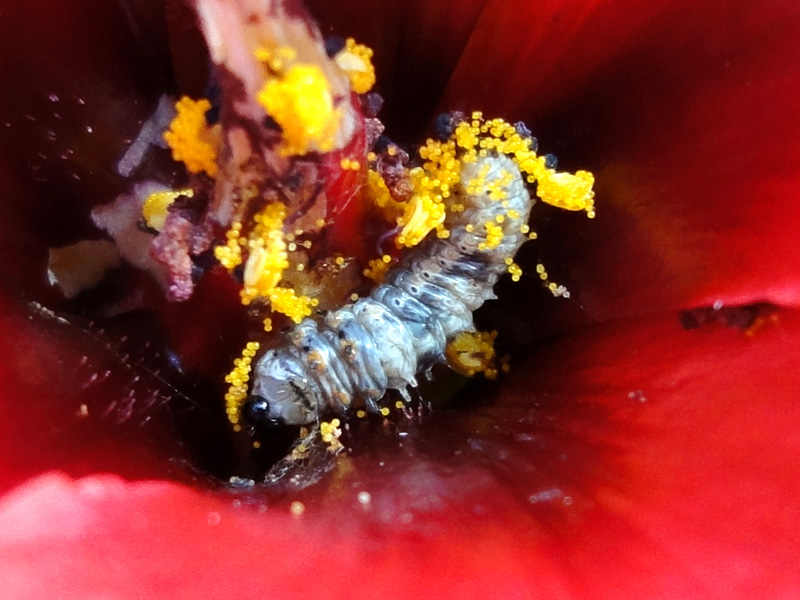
[628,457]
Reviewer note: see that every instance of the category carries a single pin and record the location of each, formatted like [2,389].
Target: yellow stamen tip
[156,206]
[300,101]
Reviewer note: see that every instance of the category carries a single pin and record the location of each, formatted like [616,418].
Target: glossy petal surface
[648,461]
[690,130]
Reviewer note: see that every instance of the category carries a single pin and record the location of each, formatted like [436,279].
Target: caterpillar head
[281,394]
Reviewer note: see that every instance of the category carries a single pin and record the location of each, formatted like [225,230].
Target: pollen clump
[377,268]
[494,235]
[230,255]
[356,61]
[238,380]
[267,254]
[301,102]
[433,183]
[190,138]
[568,191]
[473,352]
[432,186]
[286,301]
[267,259]
[156,206]
[382,197]
[330,432]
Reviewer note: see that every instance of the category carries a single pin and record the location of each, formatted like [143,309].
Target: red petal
[417,44]
[71,402]
[685,112]
[645,461]
[674,448]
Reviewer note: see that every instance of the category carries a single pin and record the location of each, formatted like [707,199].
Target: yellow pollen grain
[301,102]
[190,138]
[348,164]
[378,193]
[377,268]
[494,235]
[238,380]
[330,433]
[385,411]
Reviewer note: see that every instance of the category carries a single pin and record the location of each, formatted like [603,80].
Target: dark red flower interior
[629,457]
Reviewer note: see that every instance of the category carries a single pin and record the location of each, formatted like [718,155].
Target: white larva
[383,341]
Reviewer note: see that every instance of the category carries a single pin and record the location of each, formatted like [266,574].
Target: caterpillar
[349,357]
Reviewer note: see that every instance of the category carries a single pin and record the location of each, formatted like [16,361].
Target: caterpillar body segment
[353,355]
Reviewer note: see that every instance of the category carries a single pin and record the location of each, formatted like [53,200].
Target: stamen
[300,101]
[356,60]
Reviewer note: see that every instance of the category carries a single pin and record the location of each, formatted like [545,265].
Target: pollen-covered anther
[156,206]
[267,254]
[300,101]
[356,61]
[190,138]
[424,212]
[263,270]
[473,352]
[238,380]
[568,191]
